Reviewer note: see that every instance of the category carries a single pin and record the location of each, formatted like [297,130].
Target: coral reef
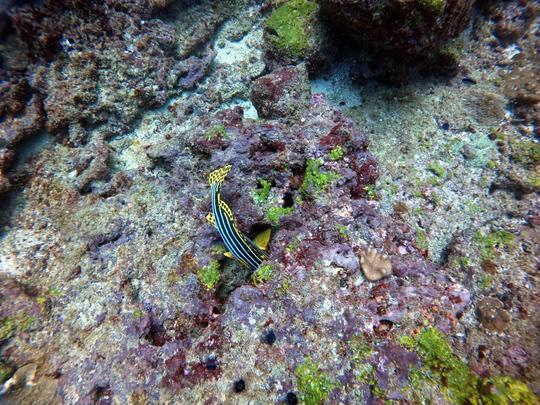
[283,93]
[403,222]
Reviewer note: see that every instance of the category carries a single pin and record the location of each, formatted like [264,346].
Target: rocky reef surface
[403,259]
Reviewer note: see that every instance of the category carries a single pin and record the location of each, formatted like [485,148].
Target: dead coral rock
[13,96]
[375,265]
[514,20]
[403,36]
[94,166]
[488,108]
[104,64]
[284,92]
[492,315]
[15,128]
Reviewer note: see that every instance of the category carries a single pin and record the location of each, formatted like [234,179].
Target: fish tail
[219,175]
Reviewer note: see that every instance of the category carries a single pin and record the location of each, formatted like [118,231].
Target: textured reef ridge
[114,288]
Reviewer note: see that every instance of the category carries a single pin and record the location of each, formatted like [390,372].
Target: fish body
[240,246]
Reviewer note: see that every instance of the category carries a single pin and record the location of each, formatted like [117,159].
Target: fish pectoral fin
[229,255]
[262,239]
[210,218]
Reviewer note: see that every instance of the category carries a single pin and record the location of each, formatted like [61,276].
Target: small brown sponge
[375,265]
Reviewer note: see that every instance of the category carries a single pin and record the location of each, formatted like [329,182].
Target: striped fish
[248,252]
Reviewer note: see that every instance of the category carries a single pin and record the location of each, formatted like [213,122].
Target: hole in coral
[383,328]
[257,228]
[157,335]
[103,395]
[288,200]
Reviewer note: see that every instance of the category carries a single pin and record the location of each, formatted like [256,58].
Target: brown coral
[375,265]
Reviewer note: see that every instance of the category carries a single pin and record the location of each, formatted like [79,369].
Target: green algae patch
[525,152]
[261,195]
[445,366]
[209,275]
[289,27]
[505,390]
[488,244]
[336,153]
[443,370]
[274,214]
[315,179]
[7,328]
[435,6]
[5,372]
[421,239]
[371,192]
[262,275]
[342,231]
[313,384]
[437,169]
[218,131]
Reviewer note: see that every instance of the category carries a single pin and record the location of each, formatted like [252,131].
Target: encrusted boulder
[401,36]
[283,93]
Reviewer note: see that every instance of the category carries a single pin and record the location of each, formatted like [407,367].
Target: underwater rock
[492,314]
[513,20]
[283,93]
[402,36]
[105,49]
[22,124]
[522,87]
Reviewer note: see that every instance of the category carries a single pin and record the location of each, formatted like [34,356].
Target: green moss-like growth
[487,244]
[262,274]
[437,169]
[504,390]
[435,6]
[261,195]
[209,275]
[446,367]
[5,372]
[313,384]
[289,27]
[218,131]
[274,214]
[7,328]
[526,152]
[360,348]
[421,239]
[371,192]
[316,180]
[342,230]
[336,153]
[443,369]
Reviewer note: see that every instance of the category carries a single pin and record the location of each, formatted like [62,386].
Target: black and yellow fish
[248,252]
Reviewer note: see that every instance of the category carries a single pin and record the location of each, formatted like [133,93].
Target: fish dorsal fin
[210,218]
[227,211]
[219,174]
[262,239]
